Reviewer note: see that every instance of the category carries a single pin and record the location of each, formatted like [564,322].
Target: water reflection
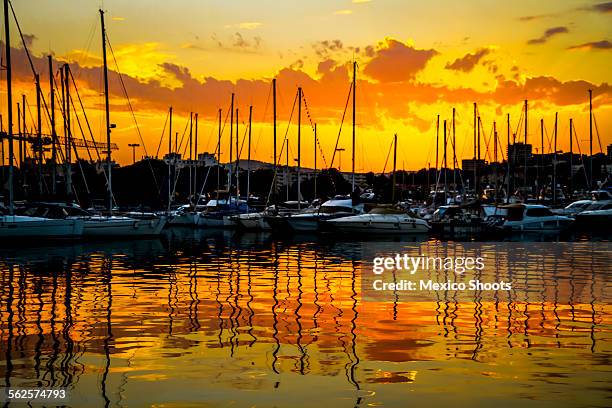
[207,316]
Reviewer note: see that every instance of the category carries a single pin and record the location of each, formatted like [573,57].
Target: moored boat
[527,217]
[380,220]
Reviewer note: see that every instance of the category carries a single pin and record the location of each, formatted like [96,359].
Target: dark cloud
[468,61]
[548,34]
[326,48]
[594,45]
[535,17]
[602,7]
[395,61]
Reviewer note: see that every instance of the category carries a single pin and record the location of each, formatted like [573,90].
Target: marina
[205,211]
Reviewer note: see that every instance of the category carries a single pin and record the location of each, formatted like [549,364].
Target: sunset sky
[415,60]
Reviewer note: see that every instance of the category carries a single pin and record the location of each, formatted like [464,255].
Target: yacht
[95,225]
[597,216]
[335,208]
[381,220]
[218,213]
[528,217]
[24,226]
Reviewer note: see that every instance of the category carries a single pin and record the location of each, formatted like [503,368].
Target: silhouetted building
[470,165]
[518,152]
[610,152]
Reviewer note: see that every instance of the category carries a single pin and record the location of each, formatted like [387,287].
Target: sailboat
[339,206]
[22,226]
[112,225]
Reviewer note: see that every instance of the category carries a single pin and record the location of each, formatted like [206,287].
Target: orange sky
[414,60]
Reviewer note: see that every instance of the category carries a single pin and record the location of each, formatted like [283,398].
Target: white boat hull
[119,227]
[14,227]
[387,224]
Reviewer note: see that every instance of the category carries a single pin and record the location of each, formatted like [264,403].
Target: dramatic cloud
[468,61]
[361,1]
[548,34]
[595,45]
[389,94]
[395,61]
[343,12]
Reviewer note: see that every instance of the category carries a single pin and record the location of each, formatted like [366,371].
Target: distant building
[518,152]
[469,165]
[610,152]
[207,159]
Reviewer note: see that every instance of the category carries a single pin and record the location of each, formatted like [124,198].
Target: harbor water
[215,318]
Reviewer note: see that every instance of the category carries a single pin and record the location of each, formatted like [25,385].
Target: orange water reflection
[209,318]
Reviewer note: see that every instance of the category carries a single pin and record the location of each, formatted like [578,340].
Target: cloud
[548,34]
[468,61]
[251,25]
[395,61]
[343,12]
[324,49]
[594,45]
[601,7]
[392,92]
[535,17]
[118,18]
[361,1]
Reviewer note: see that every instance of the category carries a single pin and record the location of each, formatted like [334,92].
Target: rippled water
[210,318]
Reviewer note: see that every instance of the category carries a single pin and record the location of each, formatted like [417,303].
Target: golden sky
[415,60]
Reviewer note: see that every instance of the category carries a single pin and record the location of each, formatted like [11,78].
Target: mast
[170,158]
[454,154]
[68,134]
[24,150]
[475,145]
[590,136]
[287,169]
[190,155]
[195,155]
[354,114]
[394,168]
[571,157]
[19,160]
[274,127]
[53,134]
[229,175]
[495,157]
[508,160]
[315,161]
[249,154]
[299,148]
[237,160]
[525,158]
[437,148]
[478,126]
[9,91]
[39,147]
[554,187]
[107,117]
[445,166]
[219,157]
[542,152]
